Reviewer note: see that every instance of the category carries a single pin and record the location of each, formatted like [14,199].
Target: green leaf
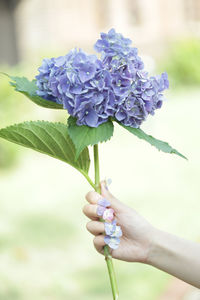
[28,88]
[48,138]
[160,145]
[83,136]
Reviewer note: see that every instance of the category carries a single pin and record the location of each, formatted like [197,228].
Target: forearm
[176,256]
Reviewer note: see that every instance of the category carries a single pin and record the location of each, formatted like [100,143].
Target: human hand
[137,235]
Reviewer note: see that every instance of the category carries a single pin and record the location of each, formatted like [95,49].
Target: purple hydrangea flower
[110,227]
[81,83]
[94,90]
[102,205]
[108,214]
[44,89]
[100,210]
[113,233]
[112,242]
[116,51]
[117,233]
[104,202]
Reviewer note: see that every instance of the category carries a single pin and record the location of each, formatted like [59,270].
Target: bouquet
[97,92]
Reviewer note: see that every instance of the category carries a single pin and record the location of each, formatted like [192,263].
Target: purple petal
[91,119]
[104,202]
[120,115]
[107,239]
[87,72]
[108,214]
[60,61]
[117,233]
[114,243]
[100,210]
[110,228]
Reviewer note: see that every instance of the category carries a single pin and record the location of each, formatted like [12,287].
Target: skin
[141,242]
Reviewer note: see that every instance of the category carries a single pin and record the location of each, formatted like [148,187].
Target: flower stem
[96,169]
[88,178]
[108,256]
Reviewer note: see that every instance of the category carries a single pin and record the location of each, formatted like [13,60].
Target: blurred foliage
[8,291]
[15,108]
[8,155]
[10,108]
[45,230]
[182,62]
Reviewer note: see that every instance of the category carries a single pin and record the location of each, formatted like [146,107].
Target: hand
[137,235]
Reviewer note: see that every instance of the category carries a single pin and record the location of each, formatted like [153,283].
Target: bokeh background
[45,250]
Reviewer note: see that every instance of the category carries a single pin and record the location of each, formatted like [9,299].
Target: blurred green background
[45,250]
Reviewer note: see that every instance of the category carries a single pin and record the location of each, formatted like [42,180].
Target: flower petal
[112,242]
[110,228]
[100,210]
[117,233]
[104,202]
[108,214]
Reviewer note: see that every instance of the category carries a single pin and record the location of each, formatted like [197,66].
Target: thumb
[115,203]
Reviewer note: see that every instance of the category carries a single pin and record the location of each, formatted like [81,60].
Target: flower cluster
[112,231]
[94,90]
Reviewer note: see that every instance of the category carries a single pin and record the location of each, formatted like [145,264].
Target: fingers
[94,212]
[90,210]
[99,243]
[115,203]
[104,206]
[105,192]
[95,227]
[93,197]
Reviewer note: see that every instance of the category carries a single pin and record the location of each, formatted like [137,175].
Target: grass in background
[182,62]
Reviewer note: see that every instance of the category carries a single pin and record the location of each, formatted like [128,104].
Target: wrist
[155,246]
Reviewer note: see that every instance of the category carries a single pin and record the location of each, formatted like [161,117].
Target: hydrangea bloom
[108,214]
[113,233]
[104,211]
[117,53]
[102,205]
[100,210]
[80,83]
[112,229]
[94,90]
[104,202]
[112,242]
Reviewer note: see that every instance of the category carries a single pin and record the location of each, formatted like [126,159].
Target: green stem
[88,179]
[96,169]
[108,256]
